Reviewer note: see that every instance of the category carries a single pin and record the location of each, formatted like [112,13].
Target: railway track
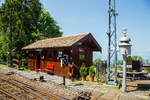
[5,96]
[11,89]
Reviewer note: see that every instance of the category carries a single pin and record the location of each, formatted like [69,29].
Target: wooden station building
[77,49]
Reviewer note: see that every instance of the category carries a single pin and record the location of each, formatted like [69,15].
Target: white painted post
[124,72]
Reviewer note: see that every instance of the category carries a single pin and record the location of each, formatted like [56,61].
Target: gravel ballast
[54,85]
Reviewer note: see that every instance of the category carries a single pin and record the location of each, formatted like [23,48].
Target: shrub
[129,70]
[121,69]
[83,70]
[92,71]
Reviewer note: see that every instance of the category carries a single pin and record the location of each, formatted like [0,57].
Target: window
[81,53]
[30,54]
[59,55]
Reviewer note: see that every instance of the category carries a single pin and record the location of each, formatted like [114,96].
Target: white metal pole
[124,72]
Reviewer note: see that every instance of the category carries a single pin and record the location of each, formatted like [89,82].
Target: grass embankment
[2,65]
[15,68]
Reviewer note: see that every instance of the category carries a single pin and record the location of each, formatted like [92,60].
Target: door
[38,61]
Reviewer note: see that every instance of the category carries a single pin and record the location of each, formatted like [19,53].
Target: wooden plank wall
[31,63]
[58,70]
[88,56]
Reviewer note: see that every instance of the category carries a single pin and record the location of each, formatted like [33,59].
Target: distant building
[144,66]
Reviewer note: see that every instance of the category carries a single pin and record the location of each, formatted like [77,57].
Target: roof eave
[84,38]
[99,48]
[65,47]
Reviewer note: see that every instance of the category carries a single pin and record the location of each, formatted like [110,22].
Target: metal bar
[114,14]
[10,39]
[109,41]
[112,54]
[112,42]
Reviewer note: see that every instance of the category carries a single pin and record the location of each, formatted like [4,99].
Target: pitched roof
[65,41]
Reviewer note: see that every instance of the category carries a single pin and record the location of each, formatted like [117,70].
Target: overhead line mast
[111,78]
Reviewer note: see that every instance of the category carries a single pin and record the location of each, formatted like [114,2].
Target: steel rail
[8,94]
[26,89]
[23,85]
[43,92]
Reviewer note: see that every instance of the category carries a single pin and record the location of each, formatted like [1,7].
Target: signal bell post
[63,63]
[125,50]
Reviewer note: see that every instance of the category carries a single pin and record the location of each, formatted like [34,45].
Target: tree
[100,66]
[147,61]
[120,62]
[48,26]
[97,61]
[29,23]
[137,58]
[23,23]
[130,59]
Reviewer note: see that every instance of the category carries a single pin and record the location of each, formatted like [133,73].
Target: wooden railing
[19,63]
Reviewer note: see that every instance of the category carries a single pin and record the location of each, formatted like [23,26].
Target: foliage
[48,26]
[129,70]
[137,58]
[83,70]
[148,70]
[120,62]
[134,70]
[27,69]
[92,71]
[102,94]
[97,61]
[146,62]
[29,23]
[121,69]
[76,79]
[130,59]
[100,67]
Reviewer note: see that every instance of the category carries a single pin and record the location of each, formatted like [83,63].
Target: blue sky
[78,16]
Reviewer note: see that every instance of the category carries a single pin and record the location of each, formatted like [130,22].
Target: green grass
[134,70]
[2,65]
[102,94]
[25,69]
[87,78]
[118,90]
[76,79]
